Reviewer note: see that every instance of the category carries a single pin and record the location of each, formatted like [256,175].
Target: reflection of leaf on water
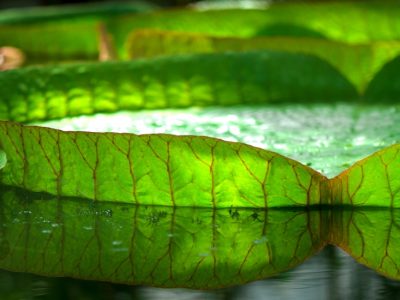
[187,247]
[372,237]
[183,247]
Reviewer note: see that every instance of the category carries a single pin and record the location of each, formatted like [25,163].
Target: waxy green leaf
[67,33]
[73,32]
[370,181]
[154,169]
[57,13]
[46,93]
[351,22]
[344,57]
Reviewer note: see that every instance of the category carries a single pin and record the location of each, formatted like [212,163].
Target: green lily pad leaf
[370,180]
[345,22]
[74,12]
[372,237]
[46,93]
[157,246]
[70,32]
[346,58]
[154,169]
[78,40]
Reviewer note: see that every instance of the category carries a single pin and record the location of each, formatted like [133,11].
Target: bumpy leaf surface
[345,57]
[45,93]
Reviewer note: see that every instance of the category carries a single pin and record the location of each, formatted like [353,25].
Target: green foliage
[74,33]
[154,169]
[344,57]
[288,53]
[371,180]
[170,170]
[70,33]
[350,22]
[45,93]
